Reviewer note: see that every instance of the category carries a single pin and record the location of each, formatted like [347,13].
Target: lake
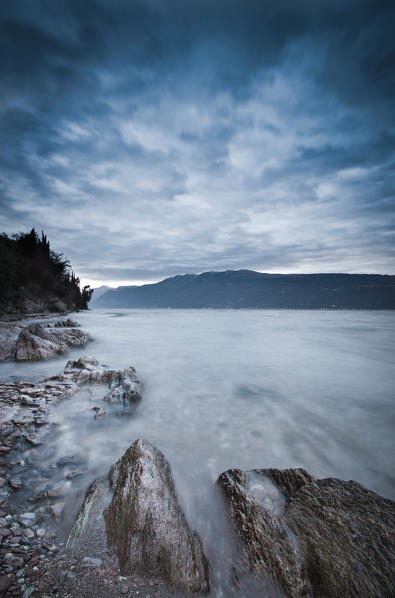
[240,389]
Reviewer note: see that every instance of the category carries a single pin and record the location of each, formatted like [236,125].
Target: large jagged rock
[145,525]
[322,538]
[36,343]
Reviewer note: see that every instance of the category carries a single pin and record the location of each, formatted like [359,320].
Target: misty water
[238,389]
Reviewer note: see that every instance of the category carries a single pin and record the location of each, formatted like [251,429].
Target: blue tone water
[253,388]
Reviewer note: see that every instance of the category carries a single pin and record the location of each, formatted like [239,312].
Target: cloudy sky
[151,138]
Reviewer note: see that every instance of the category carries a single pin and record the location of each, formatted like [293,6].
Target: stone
[91,561]
[144,523]
[5,582]
[36,343]
[28,533]
[4,532]
[69,323]
[329,537]
[40,532]
[27,518]
[56,510]
[146,527]
[59,491]
[15,483]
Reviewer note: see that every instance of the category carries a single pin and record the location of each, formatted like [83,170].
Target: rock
[69,323]
[56,510]
[40,532]
[324,538]
[145,525]
[28,533]
[59,491]
[35,343]
[89,561]
[5,532]
[15,483]
[5,582]
[27,518]
[68,460]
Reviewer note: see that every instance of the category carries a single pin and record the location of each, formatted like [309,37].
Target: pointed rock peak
[146,527]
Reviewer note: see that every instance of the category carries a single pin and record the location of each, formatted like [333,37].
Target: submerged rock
[144,523]
[325,538]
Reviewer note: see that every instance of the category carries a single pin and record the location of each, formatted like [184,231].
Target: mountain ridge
[240,289]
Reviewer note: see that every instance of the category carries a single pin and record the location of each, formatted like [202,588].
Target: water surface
[247,388]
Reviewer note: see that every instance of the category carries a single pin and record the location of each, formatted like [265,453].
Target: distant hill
[248,289]
[98,292]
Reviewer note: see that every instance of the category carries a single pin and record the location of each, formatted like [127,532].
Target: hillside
[35,279]
[248,289]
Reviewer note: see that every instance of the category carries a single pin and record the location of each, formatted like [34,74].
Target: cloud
[149,139]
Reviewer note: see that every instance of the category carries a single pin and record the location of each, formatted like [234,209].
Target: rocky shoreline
[292,534]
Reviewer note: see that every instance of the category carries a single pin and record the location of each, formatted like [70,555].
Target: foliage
[33,277]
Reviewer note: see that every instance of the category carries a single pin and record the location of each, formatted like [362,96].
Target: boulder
[36,343]
[144,523]
[310,537]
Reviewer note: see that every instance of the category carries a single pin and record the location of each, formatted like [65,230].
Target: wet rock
[5,532]
[27,518]
[56,510]
[59,491]
[144,523]
[40,532]
[5,582]
[266,551]
[69,323]
[68,460]
[15,483]
[36,343]
[146,527]
[89,561]
[125,389]
[326,538]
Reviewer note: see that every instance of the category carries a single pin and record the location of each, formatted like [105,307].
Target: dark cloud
[150,138]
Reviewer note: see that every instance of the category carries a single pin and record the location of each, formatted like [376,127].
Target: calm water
[222,389]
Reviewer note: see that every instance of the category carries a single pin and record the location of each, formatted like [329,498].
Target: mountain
[98,292]
[248,289]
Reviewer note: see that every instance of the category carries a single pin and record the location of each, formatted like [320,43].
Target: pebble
[27,518]
[91,562]
[15,483]
[5,582]
[40,532]
[29,533]
[4,531]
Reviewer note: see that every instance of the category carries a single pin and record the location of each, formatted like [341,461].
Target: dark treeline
[34,278]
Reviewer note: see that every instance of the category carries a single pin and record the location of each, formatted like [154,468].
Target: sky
[153,138]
